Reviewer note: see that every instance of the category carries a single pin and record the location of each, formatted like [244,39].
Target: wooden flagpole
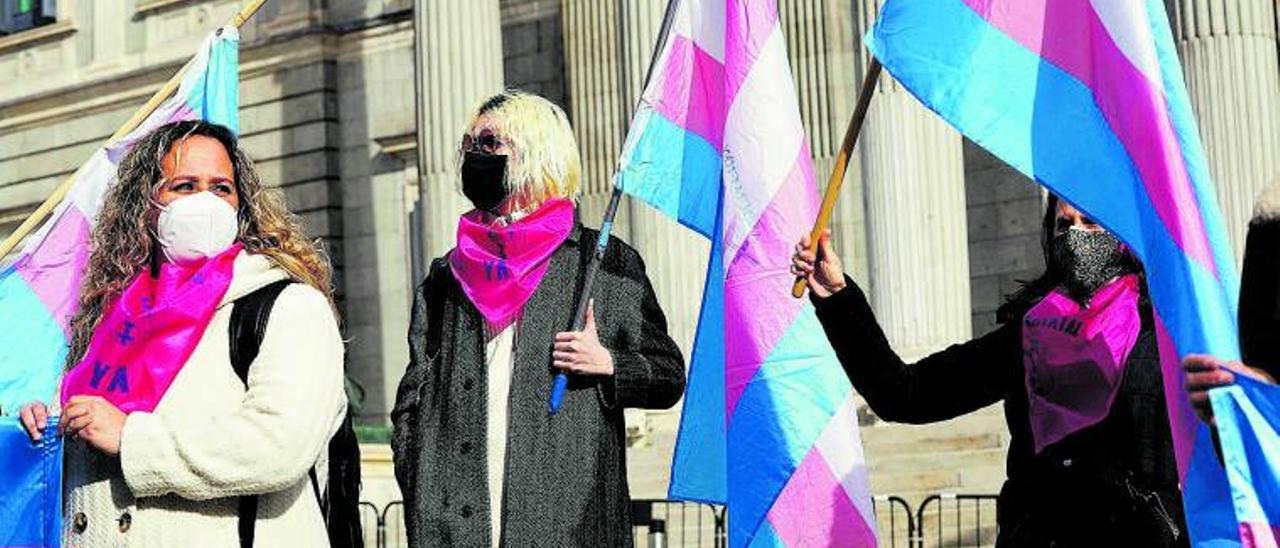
[842,162]
[162,94]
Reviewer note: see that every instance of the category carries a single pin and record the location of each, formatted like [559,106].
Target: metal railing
[678,524]
[956,520]
[895,521]
[944,520]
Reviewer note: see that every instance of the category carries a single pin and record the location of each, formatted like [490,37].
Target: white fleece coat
[209,441]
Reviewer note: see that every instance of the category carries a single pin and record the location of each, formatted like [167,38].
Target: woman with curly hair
[172,444]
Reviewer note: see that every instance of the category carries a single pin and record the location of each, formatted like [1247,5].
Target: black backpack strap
[248,516]
[249,316]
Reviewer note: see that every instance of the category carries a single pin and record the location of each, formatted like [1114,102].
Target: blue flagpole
[561,382]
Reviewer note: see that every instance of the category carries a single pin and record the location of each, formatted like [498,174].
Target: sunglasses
[486,142]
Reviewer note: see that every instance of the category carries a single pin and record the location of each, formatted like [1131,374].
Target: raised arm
[960,379]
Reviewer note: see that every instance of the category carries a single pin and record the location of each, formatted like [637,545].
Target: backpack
[340,501]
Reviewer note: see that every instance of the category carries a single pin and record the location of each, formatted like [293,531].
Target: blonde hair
[544,162]
[123,242]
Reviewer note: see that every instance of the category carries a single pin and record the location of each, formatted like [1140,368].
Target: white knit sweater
[182,467]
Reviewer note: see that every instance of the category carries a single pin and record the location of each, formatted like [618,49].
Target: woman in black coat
[1110,480]
[479,459]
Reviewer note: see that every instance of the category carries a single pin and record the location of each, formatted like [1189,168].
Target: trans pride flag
[1248,414]
[39,293]
[40,288]
[1088,98]
[769,426]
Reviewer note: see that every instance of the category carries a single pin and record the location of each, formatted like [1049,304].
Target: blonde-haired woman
[172,447]
[478,457]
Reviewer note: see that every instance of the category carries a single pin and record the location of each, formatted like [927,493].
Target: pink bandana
[499,267]
[149,332]
[1075,357]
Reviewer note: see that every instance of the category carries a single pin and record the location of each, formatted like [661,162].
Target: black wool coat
[566,476]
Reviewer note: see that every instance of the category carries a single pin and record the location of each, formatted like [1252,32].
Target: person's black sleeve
[960,379]
[648,368]
[1260,298]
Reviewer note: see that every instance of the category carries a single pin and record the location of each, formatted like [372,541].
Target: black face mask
[484,179]
[1088,260]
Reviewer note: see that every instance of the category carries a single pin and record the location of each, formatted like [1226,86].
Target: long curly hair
[124,243]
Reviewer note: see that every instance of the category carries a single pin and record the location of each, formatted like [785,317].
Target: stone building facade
[355,115]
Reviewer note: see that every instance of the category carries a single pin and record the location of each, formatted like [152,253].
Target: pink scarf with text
[149,332]
[1075,357]
[498,266]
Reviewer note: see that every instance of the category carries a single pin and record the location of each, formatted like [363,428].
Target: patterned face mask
[1088,259]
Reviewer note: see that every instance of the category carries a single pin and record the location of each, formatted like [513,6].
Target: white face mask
[196,227]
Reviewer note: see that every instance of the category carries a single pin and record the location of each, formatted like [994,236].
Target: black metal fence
[956,520]
[944,520]
[895,521]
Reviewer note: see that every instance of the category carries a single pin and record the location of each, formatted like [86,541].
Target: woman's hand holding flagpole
[842,162]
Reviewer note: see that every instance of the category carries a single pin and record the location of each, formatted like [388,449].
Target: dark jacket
[566,475]
[1112,484]
[1260,286]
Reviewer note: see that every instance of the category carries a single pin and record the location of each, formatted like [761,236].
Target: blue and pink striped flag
[1248,416]
[1087,97]
[39,293]
[40,287]
[769,425]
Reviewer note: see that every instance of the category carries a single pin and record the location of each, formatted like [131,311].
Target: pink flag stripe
[1122,19]
[1259,535]
[1182,420]
[764,142]
[748,29]
[814,509]
[54,270]
[756,285]
[692,91]
[1079,43]
[841,446]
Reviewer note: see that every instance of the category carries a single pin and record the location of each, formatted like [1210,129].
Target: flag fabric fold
[1087,97]
[769,426]
[40,287]
[1247,416]
[31,480]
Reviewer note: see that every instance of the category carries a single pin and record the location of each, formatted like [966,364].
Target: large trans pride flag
[39,292]
[1088,98]
[769,426]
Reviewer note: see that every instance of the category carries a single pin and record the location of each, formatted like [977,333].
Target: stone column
[913,176]
[459,57]
[594,69]
[1228,50]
